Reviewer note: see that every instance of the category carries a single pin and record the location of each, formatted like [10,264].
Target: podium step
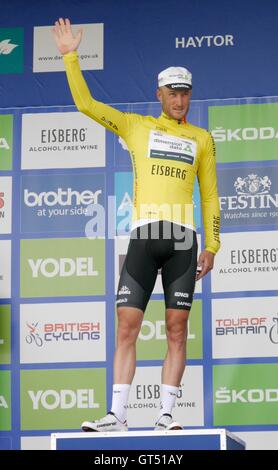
[200,439]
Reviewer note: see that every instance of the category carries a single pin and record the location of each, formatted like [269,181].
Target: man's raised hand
[64,38]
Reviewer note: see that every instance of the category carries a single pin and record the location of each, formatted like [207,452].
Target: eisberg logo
[256,395]
[63,267]
[69,135]
[247,133]
[6,47]
[63,197]
[64,399]
[152,392]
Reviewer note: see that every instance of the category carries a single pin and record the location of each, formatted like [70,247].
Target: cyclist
[167,154]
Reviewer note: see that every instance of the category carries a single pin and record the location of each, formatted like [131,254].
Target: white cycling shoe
[108,423]
[166,423]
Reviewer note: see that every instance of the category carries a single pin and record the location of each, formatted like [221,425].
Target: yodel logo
[63,197]
[64,399]
[63,267]
[6,47]
[256,395]
[244,134]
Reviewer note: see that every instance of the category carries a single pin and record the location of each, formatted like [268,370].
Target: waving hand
[64,37]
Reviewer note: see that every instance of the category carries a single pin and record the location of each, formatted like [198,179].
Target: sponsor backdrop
[65,215]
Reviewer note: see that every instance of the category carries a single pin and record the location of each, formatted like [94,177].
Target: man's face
[175,103]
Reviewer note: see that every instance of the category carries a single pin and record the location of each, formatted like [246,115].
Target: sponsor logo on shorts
[184,304]
[121,301]
[181,294]
[124,290]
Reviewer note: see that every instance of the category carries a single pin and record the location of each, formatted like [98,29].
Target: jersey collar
[165,118]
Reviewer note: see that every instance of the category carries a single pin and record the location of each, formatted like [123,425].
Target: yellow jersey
[166,156]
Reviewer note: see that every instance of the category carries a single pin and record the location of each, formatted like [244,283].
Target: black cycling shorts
[159,245]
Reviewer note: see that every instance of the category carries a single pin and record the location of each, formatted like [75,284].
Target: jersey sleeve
[105,115]
[209,195]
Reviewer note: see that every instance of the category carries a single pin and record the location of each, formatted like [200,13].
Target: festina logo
[252,192]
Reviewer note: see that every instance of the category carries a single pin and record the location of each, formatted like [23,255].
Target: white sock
[120,400]
[168,395]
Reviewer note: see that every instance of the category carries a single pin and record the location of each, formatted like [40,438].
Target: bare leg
[176,330]
[129,324]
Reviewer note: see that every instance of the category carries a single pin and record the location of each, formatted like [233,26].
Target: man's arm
[210,206]
[105,115]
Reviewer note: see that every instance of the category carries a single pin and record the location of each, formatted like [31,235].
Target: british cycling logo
[252,184]
[33,335]
[6,47]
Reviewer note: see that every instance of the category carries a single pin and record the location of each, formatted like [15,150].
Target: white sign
[62,332]
[144,399]
[35,443]
[259,440]
[46,57]
[5,204]
[247,261]
[5,269]
[245,327]
[61,140]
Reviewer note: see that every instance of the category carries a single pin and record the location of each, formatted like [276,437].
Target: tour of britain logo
[244,327]
[248,196]
[11,50]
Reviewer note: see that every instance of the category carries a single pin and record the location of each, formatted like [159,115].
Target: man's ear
[159,94]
